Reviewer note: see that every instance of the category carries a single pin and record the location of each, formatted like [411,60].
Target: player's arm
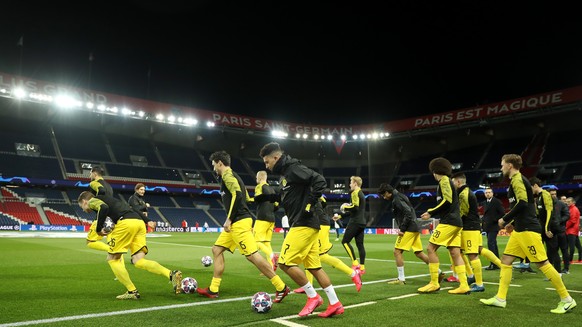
[464,202]
[97,188]
[447,197]
[549,206]
[102,210]
[406,212]
[233,187]
[520,200]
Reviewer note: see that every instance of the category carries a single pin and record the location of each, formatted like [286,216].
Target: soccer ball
[189,285]
[206,261]
[261,302]
[343,207]
[108,225]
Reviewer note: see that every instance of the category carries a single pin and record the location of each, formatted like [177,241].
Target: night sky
[299,61]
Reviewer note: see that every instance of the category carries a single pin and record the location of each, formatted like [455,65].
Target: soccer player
[129,234]
[471,238]
[356,225]
[525,240]
[265,221]
[409,234]
[325,246]
[448,232]
[237,230]
[97,186]
[301,188]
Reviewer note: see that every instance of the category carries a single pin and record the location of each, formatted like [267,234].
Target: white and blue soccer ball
[189,285]
[206,261]
[261,302]
[108,225]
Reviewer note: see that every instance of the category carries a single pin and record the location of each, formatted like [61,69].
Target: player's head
[386,190]
[459,179]
[261,176]
[536,185]
[271,153]
[440,166]
[96,172]
[355,182]
[220,161]
[83,200]
[510,163]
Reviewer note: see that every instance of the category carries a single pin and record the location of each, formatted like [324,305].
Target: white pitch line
[117,313]
[569,291]
[285,320]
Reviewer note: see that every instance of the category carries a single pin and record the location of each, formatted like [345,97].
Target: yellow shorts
[526,244]
[324,243]
[128,234]
[92,235]
[410,240]
[471,240]
[446,235]
[263,230]
[301,247]
[240,236]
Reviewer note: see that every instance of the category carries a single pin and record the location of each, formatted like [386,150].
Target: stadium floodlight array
[68,101]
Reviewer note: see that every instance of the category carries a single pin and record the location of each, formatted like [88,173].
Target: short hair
[535,181]
[138,186]
[85,195]
[221,156]
[262,174]
[571,199]
[440,166]
[385,187]
[357,179]
[269,149]
[514,159]
[97,170]
[459,175]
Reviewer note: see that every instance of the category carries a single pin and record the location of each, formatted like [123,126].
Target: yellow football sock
[433,268]
[491,257]
[153,267]
[554,276]
[462,276]
[336,263]
[215,284]
[478,271]
[278,283]
[118,268]
[468,268]
[267,250]
[504,281]
[100,246]
[362,267]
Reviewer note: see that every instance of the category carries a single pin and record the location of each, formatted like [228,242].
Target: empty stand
[124,147]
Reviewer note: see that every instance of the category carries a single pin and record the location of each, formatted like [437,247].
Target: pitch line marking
[285,320]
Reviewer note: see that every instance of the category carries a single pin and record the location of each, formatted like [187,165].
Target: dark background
[300,61]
